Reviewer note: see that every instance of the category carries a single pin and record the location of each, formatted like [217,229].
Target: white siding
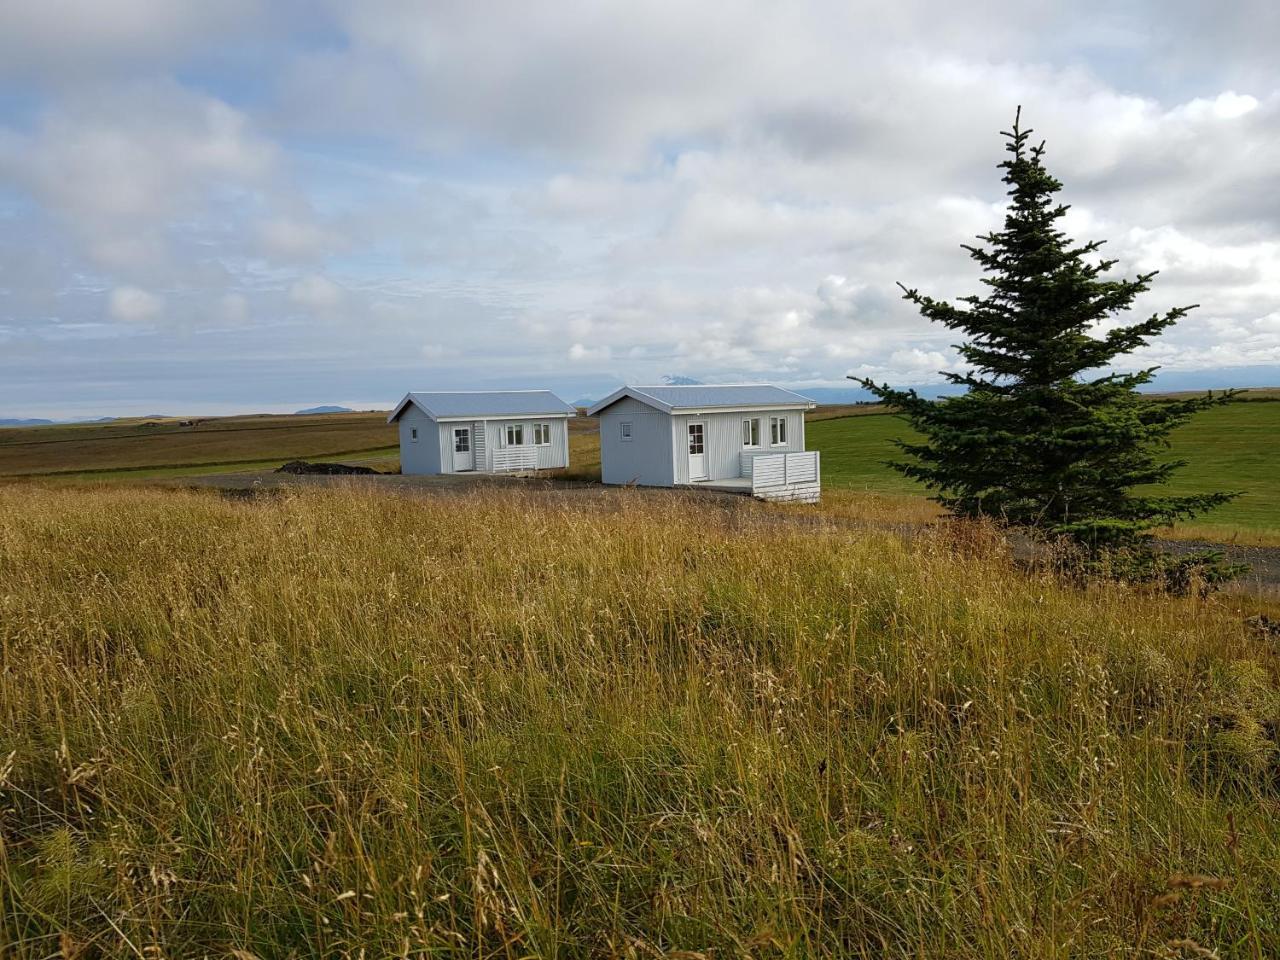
[432,452]
[446,445]
[445,439]
[553,457]
[421,455]
[647,457]
[480,444]
[723,440]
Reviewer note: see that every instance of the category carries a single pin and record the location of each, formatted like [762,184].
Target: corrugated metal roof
[707,396]
[485,403]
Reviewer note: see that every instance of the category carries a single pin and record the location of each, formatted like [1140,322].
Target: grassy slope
[336,723]
[1232,447]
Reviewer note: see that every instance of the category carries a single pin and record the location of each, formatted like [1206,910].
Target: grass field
[156,446]
[336,723]
[1234,447]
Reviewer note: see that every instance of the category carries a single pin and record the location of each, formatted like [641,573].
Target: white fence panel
[507,459]
[802,467]
[785,476]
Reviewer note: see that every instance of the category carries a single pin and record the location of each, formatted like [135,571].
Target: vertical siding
[422,456]
[433,451]
[645,459]
[445,440]
[555,456]
[480,445]
[492,441]
[722,440]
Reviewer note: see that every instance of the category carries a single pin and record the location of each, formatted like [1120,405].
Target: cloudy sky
[265,205]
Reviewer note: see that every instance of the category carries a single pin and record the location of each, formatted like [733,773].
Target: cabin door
[697,451]
[464,457]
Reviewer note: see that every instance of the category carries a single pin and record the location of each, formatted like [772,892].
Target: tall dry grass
[342,723]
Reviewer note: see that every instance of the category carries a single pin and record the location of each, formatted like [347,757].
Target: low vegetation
[340,723]
[1232,446]
[146,447]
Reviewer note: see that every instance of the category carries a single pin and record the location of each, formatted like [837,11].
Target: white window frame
[413,434]
[778,431]
[510,430]
[624,431]
[750,433]
[701,434]
[543,431]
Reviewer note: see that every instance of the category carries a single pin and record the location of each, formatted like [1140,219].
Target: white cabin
[742,437]
[482,431]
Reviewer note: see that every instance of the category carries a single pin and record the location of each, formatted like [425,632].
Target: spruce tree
[1042,437]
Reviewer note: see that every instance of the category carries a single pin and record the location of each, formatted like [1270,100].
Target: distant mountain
[20,422]
[324,409]
[675,380]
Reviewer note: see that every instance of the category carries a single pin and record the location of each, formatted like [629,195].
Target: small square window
[751,432]
[778,431]
[624,429]
[542,434]
[515,434]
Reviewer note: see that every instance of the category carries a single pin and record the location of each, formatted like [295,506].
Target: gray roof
[484,403]
[728,396]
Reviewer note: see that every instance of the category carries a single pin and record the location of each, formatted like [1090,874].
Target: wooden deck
[725,485]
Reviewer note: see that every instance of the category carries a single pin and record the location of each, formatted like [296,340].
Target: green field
[1233,448]
[157,447]
[1236,447]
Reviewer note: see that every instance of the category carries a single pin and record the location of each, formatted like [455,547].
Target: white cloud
[132,305]
[75,36]
[297,238]
[583,354]
[120,168]
[721,189]
[316,293]
[438,352]
[234,308]
[913,366]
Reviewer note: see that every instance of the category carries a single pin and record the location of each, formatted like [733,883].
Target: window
[413,434]
[778,431]
[695,438]
[462,441]
[624,429]
[542,434]
[515,434]
[751,432]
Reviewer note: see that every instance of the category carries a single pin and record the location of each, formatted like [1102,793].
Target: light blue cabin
[482,431]
[747,438]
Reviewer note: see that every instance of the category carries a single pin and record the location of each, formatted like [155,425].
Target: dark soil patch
[303,468]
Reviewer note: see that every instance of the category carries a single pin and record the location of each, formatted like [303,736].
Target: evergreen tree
[1035,441]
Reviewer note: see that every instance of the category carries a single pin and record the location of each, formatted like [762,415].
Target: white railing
[771,473]
[508,459]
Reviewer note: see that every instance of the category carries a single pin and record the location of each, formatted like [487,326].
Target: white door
[464,457]
[697,451]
